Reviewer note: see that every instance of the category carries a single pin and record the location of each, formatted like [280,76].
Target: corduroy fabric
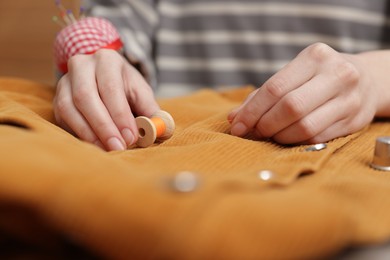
[56,190]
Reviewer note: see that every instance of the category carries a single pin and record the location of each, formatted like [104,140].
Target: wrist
[86,36]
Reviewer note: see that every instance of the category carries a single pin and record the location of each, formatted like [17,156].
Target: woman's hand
[320,95]
[96,99]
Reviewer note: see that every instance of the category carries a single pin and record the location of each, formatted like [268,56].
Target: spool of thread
[157,128]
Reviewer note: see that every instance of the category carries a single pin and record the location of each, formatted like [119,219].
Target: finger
[234,112]
[87,101]
[67,128]
[111,89]
[298,103]
[68,117]
[344,127]
[313,124]
[338,129]
[139,92]
[296,73]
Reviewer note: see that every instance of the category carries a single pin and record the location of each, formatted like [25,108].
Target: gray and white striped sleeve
[136,21]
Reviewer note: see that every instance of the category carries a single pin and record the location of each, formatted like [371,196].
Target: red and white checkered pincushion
[84,37]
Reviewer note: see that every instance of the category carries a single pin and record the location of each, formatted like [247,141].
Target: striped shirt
[183,45]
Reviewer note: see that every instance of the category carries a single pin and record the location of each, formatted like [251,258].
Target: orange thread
[160,125]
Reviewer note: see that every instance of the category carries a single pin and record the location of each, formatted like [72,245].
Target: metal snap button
[381,160]
[185,181]
[266,175]
[316,147]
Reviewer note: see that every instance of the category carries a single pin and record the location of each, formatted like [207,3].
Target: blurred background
[27,33]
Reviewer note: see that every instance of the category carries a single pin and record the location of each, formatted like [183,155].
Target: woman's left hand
[320,95]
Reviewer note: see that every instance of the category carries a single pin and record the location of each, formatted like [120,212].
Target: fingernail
[230,117]
[128,136]
[234,112]
[239,129]
[114,144]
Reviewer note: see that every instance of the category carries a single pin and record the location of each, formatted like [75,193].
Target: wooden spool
[157,128]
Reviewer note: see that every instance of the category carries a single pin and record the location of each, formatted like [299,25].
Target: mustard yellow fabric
[60,195]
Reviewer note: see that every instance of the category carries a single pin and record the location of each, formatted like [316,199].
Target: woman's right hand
[96,99]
